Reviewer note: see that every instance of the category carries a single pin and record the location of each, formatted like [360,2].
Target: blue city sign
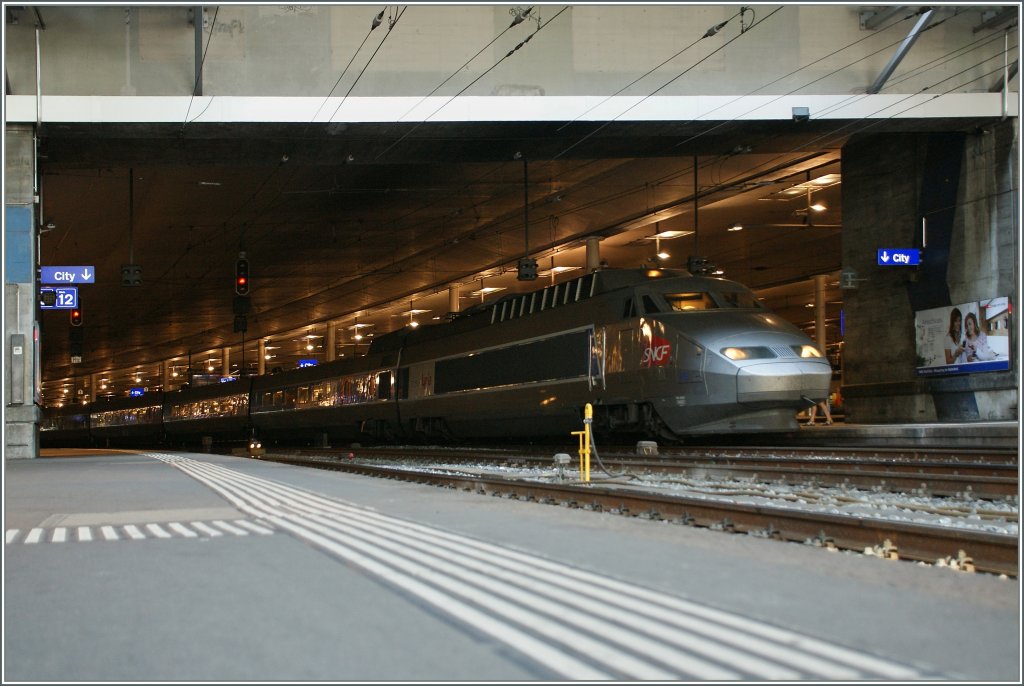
[67,298]
[899,257]
[136,391]
[307,363]
[67,274]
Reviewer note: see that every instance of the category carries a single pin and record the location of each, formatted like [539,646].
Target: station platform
[966,435]
[173,566]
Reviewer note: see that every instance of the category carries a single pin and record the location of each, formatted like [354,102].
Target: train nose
[782,381]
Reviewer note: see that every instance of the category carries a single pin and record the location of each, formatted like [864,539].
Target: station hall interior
[351,228]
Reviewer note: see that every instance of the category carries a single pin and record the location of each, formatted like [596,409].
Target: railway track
[985,475]
[966,549]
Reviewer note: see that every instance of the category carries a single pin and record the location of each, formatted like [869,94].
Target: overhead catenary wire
[391,26]
[710,32]
[647,73]
[373,25]
[474,81]
[518,19]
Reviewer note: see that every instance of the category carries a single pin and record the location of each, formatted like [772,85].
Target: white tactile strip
[576,623]
[136,532]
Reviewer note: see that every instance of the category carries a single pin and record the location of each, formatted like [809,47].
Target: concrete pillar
[261,367]
[225,362]
[331,344]
[593,254]
[965,186]
[453,298]
[21,348]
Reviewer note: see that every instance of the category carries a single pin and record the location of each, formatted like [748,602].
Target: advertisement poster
[963,339]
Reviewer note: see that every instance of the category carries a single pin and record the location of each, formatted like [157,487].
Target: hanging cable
[670,81]
[373,25]
[391,26]
[518,19]
[471,83]
[645,74]
[206,50]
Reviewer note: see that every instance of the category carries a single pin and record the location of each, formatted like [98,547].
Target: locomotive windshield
[704,300]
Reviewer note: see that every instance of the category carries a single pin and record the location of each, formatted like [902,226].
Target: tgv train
[658,353]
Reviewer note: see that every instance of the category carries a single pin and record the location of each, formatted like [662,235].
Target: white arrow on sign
[885,256]
[86,274]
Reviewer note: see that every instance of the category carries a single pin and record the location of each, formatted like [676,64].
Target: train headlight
[734,353]
[807,351]
[751,353]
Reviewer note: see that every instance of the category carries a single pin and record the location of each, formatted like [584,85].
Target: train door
[421,380]
[598,347]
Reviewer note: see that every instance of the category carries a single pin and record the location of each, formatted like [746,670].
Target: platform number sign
[64,298]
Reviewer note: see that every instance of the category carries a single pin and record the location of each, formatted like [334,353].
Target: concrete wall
[965,185]
[20,363]
[314,50]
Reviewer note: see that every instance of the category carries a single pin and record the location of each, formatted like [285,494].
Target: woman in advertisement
[954,347]
[975,345]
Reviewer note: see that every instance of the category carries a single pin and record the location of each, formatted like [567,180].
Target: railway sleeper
[822,540]
[887,550]
[962,562]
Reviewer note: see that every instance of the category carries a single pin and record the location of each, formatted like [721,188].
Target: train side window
[650,307]
[738,299]
[278,398]
[687,302]
[384,385]
[629,311]
[268,399]
[586,286]
[302,397]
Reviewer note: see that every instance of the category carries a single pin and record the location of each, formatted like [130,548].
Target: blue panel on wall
[18,244]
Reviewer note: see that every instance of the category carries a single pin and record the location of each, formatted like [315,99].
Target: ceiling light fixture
[557,270]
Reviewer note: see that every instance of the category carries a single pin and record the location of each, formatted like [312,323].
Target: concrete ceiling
[372,220]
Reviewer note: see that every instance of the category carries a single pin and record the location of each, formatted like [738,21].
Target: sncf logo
[657,353]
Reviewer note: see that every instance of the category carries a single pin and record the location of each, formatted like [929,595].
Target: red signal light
[76,317]
[242,277]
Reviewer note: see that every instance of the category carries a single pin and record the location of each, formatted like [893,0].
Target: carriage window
[650,306]
[630,310]
[384,385]
[738,299]
[687,302]
[586,285]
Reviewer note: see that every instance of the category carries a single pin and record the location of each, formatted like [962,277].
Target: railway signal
[76,316]
[242,275]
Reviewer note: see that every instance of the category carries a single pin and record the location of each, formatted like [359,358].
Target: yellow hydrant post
[588,419]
